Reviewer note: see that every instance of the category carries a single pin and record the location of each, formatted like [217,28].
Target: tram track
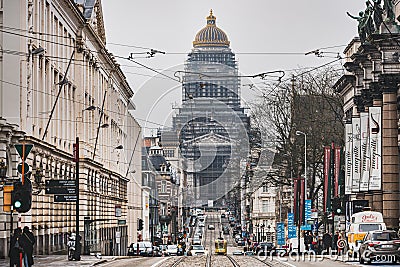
[233,261]
[177,262]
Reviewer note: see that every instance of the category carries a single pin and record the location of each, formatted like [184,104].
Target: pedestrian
[16,251]
[27,241]
[327,240]
[308,241]
[335,240]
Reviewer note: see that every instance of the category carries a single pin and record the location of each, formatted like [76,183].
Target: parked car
[267,247]
[225,230]
[157,251]
[172,250]
[196,240]
[195,250]
[238,253]
[383,244]
[249,253]
[163,249]
[240,242]
[145,249]
[181,250]
[211,227]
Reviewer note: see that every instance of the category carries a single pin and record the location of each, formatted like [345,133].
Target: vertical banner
[280,233]
[291,226]
[302,198]
[375,133]
[327,182]
[356,155]
[365,151]
[307,215]
[348,159]
[296,199]
[336,171]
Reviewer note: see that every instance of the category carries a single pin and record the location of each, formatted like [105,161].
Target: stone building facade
[59,82]
[211,123]
[370,85]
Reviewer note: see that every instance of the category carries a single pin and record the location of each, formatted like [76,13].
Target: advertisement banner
[291,226]
[375,133]
[348,159]
[307,215]
[365,151]
[327,182]
[336,173]
[280,233]
[356,164]
[296,199]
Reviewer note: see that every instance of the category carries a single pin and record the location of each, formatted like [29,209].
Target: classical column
[376,91]
[390,153]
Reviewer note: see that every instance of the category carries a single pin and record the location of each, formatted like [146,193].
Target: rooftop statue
[370,20]
[378,14]
[389,10]
[361,25]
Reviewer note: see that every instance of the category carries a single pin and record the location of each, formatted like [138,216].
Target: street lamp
[305,161]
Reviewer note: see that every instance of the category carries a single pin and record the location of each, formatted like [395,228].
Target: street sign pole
[77,239]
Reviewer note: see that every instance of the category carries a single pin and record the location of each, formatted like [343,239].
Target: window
[267,206]
[163,186]
[265,188]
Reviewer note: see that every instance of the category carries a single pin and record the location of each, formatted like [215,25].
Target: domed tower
[211,35]
[210,118]
[211,69]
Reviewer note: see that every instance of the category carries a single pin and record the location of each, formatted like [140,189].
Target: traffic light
[140,225]
[21,197]
[337,206]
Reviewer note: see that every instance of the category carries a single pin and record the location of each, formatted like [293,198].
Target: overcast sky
[279,28]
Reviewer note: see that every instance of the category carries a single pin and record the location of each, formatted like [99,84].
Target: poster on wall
[365,155]
[356,161]
[348,159]
[375,133]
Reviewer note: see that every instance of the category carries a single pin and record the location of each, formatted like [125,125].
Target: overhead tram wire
[138,47]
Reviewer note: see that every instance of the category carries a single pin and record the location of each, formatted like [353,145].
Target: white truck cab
[360,224]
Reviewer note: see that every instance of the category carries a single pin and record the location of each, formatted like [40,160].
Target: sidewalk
[61,260]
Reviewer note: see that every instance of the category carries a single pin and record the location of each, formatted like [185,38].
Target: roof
[211,35]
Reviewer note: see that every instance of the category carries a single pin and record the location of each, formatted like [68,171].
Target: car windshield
[172,247]
[385,236]
[198,248]
[147,244]
[367,227]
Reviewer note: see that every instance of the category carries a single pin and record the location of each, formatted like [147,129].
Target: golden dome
[211,35]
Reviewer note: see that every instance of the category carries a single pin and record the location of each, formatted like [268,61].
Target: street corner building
[64,98]
[370,91]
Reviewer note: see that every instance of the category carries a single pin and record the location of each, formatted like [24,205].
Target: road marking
[159,262]
[285,263]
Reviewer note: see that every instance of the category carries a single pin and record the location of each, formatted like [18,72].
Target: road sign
[23,150]
[26,168]
[61,190]
[60,183]
[65,198]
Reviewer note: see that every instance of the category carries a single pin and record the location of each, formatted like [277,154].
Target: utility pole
[77,236]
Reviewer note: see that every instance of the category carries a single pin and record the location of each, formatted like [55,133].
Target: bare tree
[305,103]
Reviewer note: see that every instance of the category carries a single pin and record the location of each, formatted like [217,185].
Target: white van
[360,224]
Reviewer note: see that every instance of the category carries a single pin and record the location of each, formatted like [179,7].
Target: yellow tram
[220,246]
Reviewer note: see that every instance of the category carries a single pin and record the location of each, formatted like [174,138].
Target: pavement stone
[61,260]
